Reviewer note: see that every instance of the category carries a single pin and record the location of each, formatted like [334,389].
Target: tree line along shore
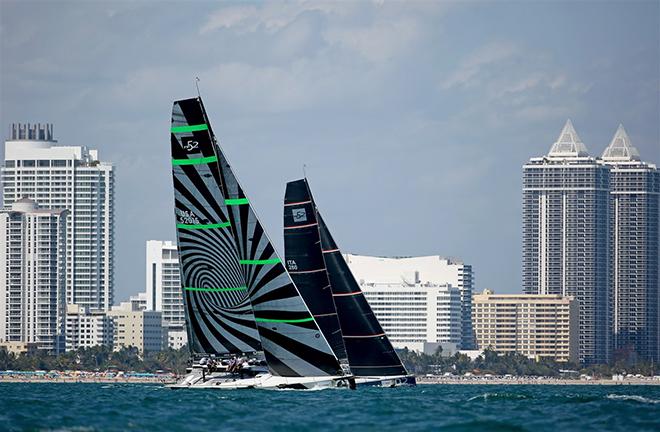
[103,360]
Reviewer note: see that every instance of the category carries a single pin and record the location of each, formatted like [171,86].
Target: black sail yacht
[311,253]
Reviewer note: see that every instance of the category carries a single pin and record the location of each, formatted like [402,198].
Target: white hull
[386,381]
[227,381]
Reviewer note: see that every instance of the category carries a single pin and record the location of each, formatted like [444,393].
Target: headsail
[220,319]
[290,337]
[370,352]
[305,263]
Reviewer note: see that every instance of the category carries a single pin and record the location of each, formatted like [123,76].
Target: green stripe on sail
[196,161]
[215,289]
[237,201]
[260,262]
[190,128]
[203,226]
[301,320]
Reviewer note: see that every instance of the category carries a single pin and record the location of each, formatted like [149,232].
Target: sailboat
[248,326]
[310,251]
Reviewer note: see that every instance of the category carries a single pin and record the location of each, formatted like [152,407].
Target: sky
[413,119]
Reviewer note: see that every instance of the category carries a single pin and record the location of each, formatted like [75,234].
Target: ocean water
[118,407]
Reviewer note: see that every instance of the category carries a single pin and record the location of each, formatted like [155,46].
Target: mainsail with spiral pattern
[218,312]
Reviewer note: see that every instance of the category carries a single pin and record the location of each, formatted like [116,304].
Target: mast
[304,261]
[218,314]
[290,337]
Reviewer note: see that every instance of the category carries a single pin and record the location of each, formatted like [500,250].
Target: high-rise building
[565,236]
[634,192]
[71,178]
[535,325]
[413,315]
[163,290]
[163,284]
[426,270]
[32,290]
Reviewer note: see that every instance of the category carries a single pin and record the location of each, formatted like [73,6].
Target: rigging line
[197,87]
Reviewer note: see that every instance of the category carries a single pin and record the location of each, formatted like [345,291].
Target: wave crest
[635,398]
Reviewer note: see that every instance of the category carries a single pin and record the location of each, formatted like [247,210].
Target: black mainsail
[290,337]
[304,261]
[218,313]
[370,352]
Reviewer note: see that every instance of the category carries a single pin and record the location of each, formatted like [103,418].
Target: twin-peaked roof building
[590,230]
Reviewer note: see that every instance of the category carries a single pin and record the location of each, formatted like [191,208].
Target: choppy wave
[82,407]
[577,398]
[635,398]
[498,396]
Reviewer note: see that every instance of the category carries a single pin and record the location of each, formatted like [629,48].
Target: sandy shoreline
[90,380]
[546,381]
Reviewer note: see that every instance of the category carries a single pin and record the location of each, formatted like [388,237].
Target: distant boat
[248,326]
[333,295]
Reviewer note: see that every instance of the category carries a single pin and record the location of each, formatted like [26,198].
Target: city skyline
[350,108]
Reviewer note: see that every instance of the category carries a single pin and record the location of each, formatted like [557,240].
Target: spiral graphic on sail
[220,319]
[290,337]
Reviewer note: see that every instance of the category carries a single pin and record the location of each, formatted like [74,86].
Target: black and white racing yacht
[248,326]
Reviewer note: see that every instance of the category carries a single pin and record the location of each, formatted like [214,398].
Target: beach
[85,377]
[479,380]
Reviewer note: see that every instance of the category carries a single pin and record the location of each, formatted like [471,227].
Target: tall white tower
[634,193]
[71,178]
[565,235]
[32,257]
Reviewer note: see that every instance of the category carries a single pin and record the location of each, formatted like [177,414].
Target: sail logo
[191,145]
[299,215]
[291,265]
[187,217]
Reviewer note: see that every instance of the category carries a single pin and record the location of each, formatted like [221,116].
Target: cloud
[470,68]
[231,17]
[378,42]
[270,17]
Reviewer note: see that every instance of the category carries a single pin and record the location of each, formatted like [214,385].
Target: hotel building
[415,314]
[71,178]
[422,272]
[534,325]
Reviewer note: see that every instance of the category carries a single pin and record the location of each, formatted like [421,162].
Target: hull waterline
[386,381]
[226,381]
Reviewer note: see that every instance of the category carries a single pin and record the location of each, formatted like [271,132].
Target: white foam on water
[486,396]
[636,398]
